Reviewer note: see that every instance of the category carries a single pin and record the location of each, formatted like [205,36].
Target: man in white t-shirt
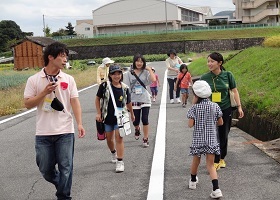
[54,93]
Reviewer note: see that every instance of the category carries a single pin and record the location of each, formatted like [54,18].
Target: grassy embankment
[11,94]
[256,71]
[177,36]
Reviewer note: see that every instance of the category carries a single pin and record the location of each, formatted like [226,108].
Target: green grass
[10,78]
[178,36]
[256,71]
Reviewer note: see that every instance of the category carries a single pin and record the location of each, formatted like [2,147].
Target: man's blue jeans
[52,150]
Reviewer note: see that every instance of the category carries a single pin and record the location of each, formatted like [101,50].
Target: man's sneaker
[137,133]
[119,166]
[171,100]
[178,100]
[114,157]
[192,185]
[217,166]
[145,142]
[222,163]
[216,194]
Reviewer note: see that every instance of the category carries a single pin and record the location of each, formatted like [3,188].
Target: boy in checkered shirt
[204,116]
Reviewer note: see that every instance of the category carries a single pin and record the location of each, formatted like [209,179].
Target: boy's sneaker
[217,166]
[114,157]
[192,185]
[222,163]
[216,194]
[145,142]
[137,133]
[172,101]
[178,100]
[119,166]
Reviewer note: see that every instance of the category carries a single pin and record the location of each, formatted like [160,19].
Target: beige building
[130,16]
[257,11]
[84,28]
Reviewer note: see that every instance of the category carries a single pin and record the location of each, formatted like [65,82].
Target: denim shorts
[184,90]
[110,128]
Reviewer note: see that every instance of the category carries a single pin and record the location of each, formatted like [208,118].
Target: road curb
[271,148]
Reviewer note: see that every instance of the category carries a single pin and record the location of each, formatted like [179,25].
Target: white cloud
[28,14]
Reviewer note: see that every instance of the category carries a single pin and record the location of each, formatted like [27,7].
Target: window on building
[87,28]
[190,16]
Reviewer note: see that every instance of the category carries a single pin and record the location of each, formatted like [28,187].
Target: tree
[47,31]
[60,32]
[9,31]
[28,34]
[3,42]
[70,29]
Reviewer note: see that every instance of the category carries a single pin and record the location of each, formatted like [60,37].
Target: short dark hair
[54,50]
[136,57]
[172,51]
[183,66]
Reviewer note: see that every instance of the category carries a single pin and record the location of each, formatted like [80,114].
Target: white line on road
[156,185]
[33,109]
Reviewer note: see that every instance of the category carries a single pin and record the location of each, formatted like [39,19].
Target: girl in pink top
[184,79]
[154,86]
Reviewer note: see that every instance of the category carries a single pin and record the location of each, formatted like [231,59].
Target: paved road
[250,173]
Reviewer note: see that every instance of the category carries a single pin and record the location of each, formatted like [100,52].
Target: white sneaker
[216,194]
[145,143]
[178,100]
[171,100]
[154,99]
[192,185]
[114,157]
[119,166]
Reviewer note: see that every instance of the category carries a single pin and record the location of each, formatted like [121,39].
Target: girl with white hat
[204,116]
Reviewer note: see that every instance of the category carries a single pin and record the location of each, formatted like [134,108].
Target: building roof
[42,41]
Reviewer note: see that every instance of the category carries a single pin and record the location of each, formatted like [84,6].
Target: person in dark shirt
[107,113]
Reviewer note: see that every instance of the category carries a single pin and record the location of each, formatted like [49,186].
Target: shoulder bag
[100,126]
[179,81]
[122,118]
[139,80]
[231,96]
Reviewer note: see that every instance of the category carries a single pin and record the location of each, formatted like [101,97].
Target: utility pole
[165,17]
[44,26]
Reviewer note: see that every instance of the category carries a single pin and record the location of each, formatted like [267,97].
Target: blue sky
[28,14]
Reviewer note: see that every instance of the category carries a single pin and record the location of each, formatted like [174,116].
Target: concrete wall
[91,52]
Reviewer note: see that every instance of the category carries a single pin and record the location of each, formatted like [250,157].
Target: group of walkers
[54,93]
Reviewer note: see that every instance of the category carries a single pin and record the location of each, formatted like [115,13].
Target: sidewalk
[271,148]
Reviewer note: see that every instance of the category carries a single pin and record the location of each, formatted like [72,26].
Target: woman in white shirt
[173,63]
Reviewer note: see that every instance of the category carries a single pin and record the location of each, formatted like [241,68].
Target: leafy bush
[273,41]
[6,54]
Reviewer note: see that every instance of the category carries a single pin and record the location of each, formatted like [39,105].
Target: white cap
[107,61]
[202,89]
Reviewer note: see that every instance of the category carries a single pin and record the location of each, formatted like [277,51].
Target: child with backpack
[184,79]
